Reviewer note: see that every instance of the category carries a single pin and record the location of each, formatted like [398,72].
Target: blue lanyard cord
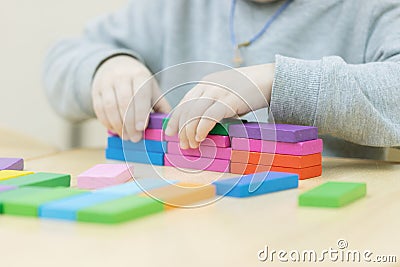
[261,32]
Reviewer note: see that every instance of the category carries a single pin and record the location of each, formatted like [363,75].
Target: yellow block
[182,194]
[8,174]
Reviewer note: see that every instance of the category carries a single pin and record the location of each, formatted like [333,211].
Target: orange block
[182,194]
[304,173]
[280,160]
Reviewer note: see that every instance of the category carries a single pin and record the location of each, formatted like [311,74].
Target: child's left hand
[220,95]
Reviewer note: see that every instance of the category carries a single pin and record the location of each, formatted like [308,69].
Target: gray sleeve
[357,103]
[70,65]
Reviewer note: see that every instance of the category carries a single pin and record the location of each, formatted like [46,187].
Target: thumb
[160,103]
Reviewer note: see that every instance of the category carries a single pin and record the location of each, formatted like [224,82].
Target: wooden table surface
[229,232]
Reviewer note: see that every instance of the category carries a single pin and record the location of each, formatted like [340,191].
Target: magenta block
[156,120]
[111,133]
[203,151]
[196,163]
[211,140]
[16,164]
[274,132]
[299,149]
[154,134]
[104,175]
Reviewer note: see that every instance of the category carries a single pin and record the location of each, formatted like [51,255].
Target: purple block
[7,188]
[156,120]
[16,164]
[274,132]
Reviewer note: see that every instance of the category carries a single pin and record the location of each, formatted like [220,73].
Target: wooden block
[279,160]
[104,175]
[256,184]
[4,188]
[136,187]
[67,209]
[300,148]
[333,194]
[42,179]
[143,145]
[9,174]
[156,120]
[221,128]
[28,205]
[274,132]
[120,210]
[196,163]
[304,173]
[154,134]
[16,164]
[211,140]
[17,193]
[203,151]
[135,156]
[182,195]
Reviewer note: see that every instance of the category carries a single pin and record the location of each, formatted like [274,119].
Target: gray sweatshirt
[337,61]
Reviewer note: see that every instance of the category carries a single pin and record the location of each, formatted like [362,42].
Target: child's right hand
[115,83]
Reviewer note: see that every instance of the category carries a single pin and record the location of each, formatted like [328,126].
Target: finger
[124,94]
[183,143]
[99,111]
[142,99]
[160,103]
[111,110]
[215,113]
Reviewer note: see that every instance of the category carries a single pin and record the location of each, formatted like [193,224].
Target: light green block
[333,194]
[220,128]
[28,205]
[17,193]
[42,179]
[120,210]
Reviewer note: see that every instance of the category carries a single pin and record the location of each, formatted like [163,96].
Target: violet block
[16,164]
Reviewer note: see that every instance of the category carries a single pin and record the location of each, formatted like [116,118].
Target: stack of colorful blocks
[261,147]
[150,150]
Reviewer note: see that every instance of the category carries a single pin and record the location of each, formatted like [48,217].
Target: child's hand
[114,85]
[220,95]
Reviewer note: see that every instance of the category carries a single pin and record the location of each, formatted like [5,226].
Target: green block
[120,210]
[42,179]
[28,205]
[220,128]
[17,193]
[333,194]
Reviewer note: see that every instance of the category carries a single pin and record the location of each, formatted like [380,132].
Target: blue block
[257,184]
[133,188]
[135,156]
[68,208]
[143,145]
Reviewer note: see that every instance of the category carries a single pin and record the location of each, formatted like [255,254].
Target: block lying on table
[211,140]
[120,210]
[203,151]
[280,160]
[182,195]
[143,145]
[256,184]
[28,205]
[10,174]
[16,164]
[221,128]
[135,156]
[195,163]
[304,173]
[333,194]
[274,132]
[42,179]
[104,175]
[4,188]
[17,193]
[300,148]
[135,187]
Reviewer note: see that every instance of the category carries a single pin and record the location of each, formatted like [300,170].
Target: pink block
[154,134]
[104,175]
[211,140]
[212,152]
[299,149]
[110,133]
[189,162]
